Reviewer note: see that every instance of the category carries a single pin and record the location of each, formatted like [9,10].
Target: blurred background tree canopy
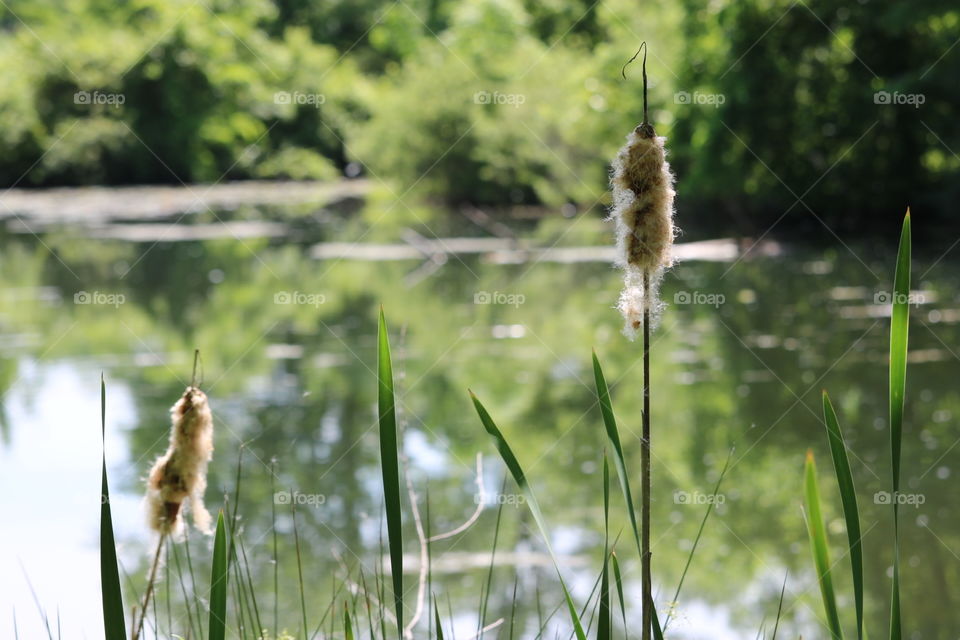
[786,112]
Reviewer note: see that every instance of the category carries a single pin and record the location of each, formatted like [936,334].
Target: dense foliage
[771,106]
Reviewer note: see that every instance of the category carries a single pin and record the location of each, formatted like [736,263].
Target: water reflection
[288,348]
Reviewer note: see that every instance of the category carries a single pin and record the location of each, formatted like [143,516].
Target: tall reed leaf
[613,435]
[818,542]
[899,329]
[389,465]
[518,476]
[114,627]
[218,583]
[848,498]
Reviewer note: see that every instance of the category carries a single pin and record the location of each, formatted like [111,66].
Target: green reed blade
[347,627]
[899,330]
[114,626]
[848,498]
[818,543]
[436,614]
[618,581]
[603,624]
[613,435]
[218,583]
[389,448]
[517,472]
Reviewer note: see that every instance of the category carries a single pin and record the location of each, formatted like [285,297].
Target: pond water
[288,345]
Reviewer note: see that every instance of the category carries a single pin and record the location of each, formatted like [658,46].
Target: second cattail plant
[178,479]
[642,187]
[180,474]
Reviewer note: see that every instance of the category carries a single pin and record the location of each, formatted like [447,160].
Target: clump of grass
[899,330]
[353,597]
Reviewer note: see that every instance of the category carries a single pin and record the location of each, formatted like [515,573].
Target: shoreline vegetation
[495,102]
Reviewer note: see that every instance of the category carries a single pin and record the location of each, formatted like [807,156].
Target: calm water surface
[288,346]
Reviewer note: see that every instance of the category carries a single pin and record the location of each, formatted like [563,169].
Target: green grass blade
[776,624]
[114,626]
[389,448]
[618,581]
[296,546]
[818,543]
[899,330]
[603,624]
[613,435]
[218,583]
[848,498]
[696,541]
[347,627]
[488,583]
[655,623]
[436,614]
[517,472]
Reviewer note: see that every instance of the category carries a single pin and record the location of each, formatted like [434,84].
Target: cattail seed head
[180,474]
[643,194]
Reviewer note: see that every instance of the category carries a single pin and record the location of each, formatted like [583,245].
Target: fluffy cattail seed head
[643,194]
[180,474]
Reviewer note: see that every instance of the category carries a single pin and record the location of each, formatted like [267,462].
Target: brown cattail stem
[645,476]
[138,627]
